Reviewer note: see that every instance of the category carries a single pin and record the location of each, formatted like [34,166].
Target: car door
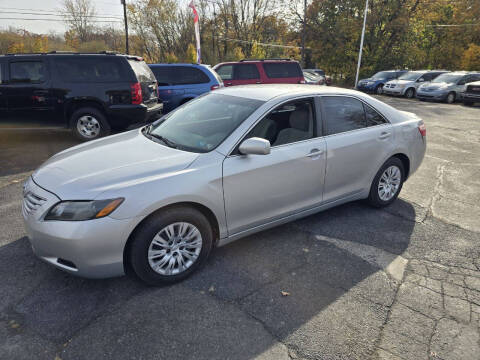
[226,73]
[3,97]
[358,139]
[28,91]
[262,188]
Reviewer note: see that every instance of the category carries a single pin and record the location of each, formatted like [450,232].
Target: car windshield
[411,75]
[448,78]
[381,75]
[202,124]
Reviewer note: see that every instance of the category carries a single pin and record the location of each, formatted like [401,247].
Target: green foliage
[238,54]
[471,58]
[171,58]
[257,52]
[191,54]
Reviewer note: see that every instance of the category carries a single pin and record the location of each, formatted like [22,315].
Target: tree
[171,58]
[78,17]
[257,52]
[471,58]
[238,54]
[191,54]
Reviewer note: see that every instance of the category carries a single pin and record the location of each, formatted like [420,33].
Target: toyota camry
[158,199]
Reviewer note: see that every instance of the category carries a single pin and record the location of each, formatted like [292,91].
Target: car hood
[83,172]
[400,81]
[436,86]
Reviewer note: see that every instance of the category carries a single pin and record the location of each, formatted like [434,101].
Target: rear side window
[179,75]
[27,72]
[343,114]
[246,72]
[373,117]
[282,70]
[142,71]
[90,70]
[225,72]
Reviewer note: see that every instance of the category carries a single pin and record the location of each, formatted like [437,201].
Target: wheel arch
[207,212]
[76,104]
[405,161]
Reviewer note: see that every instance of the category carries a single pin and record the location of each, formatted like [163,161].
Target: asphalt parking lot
[349,283]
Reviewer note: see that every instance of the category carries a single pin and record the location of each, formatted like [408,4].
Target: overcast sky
[48,8]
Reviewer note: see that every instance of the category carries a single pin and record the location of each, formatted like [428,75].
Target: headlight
[370,83]
[82,210]
[401,86]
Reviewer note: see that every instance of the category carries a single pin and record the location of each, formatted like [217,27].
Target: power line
[63,14]
[59,20]
[452,25]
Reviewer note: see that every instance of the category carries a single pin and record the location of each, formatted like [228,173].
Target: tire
[410,93]
[146,240]
[451,97]
[89,123]
[379,89]
[374,198]
[468,103]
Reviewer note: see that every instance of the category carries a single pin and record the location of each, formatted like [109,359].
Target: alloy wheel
[88,126]
[175,248]
[451,98]
[389,183]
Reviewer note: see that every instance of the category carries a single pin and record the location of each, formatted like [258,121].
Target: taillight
[422,128]
[302,82]
[136,93]
[215,87]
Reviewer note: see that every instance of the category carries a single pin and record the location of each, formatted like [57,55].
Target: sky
[49,8]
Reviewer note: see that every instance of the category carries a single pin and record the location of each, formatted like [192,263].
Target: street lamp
[361,43]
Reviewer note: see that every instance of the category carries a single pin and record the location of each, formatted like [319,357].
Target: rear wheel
[89,123]
[387,183]
[451,98]
[171,245]
[410,93]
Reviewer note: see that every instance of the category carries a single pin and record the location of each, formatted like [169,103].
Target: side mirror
[255,146]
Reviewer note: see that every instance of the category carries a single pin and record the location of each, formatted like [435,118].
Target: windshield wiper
[166,141]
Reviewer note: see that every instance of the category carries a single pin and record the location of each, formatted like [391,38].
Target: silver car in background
[227,164]
[407,84]
[447,87]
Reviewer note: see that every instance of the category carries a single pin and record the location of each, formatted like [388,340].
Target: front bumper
[396,91]
[432,95]
[92,248]
[366,88]
[470,97]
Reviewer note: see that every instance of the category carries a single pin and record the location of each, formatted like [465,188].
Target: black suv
[90,93]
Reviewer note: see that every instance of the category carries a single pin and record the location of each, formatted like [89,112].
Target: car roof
[180,64]
[266,92]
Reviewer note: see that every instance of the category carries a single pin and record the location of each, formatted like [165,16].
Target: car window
[203,123]
[183,75]
[282,69]
[141,70]
[89,70]
[225,72]
[27,71]
[163,74]
[373,117]
[288,123]
[343,114]
[1,70]
[246,72]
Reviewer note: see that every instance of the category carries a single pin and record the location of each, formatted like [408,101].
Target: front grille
[390,86]
[473,89]
[31,203]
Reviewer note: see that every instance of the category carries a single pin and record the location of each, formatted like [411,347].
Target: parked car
[179,83]
[376,82]
[328,79]
[472,94]
[268,71]
[407,84]
[447,87]
[313,79]
[227,164]
[90,93]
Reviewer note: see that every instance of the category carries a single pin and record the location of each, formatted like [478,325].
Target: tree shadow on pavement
[333,304]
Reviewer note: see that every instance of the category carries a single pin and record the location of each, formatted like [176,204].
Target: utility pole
[304,30]
[361,43]
[124,3]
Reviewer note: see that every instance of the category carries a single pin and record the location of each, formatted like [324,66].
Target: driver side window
[288,123]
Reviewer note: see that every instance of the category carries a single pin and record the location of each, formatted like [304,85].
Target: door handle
[315,152]
[384,135]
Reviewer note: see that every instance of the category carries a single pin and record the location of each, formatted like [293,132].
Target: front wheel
[410,93]
[387,183]
[170,245]
[451,98]
[379,89]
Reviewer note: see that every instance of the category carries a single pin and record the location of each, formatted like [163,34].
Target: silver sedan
[230,163]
